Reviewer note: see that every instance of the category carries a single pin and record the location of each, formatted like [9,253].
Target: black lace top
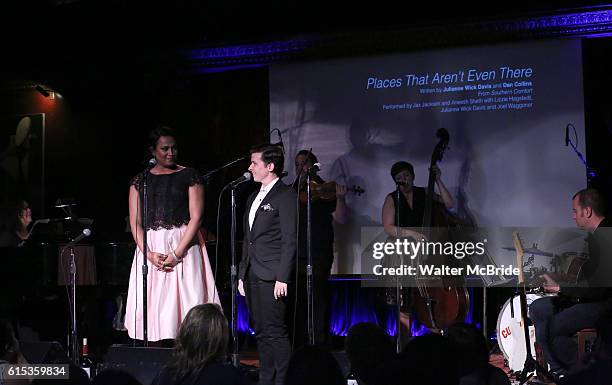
[168,197]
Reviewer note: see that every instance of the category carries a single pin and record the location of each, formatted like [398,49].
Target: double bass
[436,302]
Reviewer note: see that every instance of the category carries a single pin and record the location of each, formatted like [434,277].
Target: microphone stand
[74,343]
[73,329]
[309,278]
[145,261]
[590,173]
[235,357]
[234,273]
[209,174]
[398,289]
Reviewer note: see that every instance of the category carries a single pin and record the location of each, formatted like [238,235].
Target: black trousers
[555,328]
[268,316]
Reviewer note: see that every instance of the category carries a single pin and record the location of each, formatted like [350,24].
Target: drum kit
[530,266]
[510,336]
[510,329]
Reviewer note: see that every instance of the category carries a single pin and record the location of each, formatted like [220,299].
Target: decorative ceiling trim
[589,22]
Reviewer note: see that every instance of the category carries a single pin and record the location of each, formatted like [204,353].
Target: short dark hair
[310,157]
[202,338]
[401,166]
[271,153]
[590,197]
[157,133]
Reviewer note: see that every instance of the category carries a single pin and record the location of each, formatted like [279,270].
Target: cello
[438,304]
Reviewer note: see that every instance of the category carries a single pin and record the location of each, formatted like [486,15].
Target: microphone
[244,178]
[151,163]
[567,135]
[85,233]
[315,167]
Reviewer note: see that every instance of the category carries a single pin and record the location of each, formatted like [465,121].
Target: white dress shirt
[258,199]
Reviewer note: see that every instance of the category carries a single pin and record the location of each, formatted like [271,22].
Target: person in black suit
[268,259]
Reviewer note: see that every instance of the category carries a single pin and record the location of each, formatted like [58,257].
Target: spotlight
[42,91]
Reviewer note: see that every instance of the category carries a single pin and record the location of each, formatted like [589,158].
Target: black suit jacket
[595,278]
[269,248]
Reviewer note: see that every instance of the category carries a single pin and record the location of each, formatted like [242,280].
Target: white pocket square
[267,207]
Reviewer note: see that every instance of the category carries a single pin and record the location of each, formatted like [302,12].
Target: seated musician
[16,218]
[578,306]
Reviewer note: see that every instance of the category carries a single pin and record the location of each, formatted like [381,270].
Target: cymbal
[532,250]
[65,202]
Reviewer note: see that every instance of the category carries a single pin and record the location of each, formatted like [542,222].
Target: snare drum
[510,333]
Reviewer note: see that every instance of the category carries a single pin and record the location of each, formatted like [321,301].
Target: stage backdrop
[506,108]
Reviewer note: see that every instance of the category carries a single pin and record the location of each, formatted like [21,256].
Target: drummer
[558,318]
